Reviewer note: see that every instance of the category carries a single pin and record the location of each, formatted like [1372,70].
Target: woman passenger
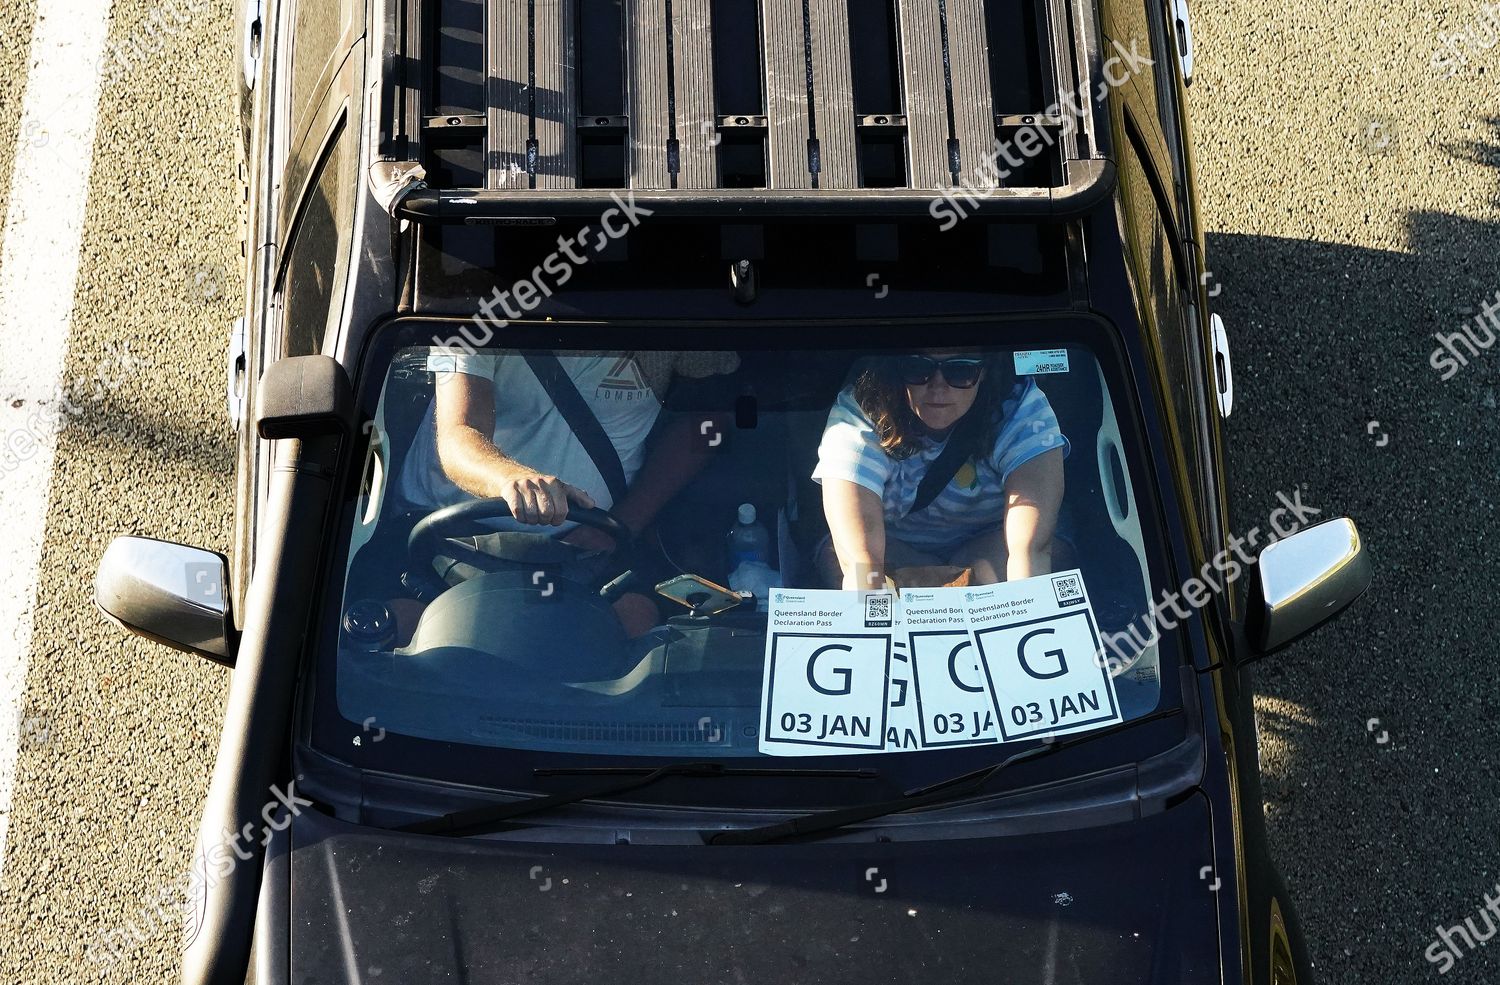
[996,514]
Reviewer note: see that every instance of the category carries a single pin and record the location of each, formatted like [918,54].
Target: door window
[318,257]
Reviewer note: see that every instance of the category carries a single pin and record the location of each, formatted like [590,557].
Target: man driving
[547,431]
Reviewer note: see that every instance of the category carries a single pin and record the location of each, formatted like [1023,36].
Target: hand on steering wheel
[467,519]
[537,498]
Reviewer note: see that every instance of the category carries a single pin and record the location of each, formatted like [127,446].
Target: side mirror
[168,593]
[1304,581]
[304,397]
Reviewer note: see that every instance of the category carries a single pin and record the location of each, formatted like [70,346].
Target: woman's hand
[1033,495]
[1034,560]
[868,578]
[856,522]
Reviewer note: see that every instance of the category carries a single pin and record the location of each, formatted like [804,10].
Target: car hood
[1122,904]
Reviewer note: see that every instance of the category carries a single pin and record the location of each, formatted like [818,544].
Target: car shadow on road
[119,423]
[1378,732]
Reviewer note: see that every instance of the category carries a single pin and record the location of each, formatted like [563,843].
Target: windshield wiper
[481,820]
[953,788]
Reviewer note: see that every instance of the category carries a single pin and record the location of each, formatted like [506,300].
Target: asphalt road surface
[1352,196]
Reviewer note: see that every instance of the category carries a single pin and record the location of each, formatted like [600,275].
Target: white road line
[38,274]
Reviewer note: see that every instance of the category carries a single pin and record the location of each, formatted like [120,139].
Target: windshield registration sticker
[1039,645]
[1036,362]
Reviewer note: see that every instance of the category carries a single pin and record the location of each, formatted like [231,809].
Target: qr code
[1069,590]
[877,610]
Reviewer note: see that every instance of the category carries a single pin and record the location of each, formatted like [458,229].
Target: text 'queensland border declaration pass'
[1038,642]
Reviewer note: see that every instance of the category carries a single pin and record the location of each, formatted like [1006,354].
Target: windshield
[600,556]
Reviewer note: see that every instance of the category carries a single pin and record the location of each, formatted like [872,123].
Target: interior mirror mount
[169,593]
[1303,581]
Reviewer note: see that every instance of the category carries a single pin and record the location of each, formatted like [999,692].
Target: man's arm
[680,447]
[466,448]
[680,451]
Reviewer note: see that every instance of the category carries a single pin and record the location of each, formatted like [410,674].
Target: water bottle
[748,540]
[749,558]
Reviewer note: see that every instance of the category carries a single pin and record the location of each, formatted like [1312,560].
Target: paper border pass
[826,690]
[952,691]
[1039,646]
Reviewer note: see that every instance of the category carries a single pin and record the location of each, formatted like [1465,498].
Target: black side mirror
[305,397]
[175,595]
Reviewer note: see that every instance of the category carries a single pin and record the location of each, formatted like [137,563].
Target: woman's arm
[856,521]
[1033,495]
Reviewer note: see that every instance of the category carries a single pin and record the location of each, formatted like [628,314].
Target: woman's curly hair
[881,394]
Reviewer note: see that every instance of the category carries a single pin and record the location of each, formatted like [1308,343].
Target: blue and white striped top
[972,503]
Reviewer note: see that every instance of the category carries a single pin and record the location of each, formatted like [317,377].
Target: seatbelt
[585,426]
[961,444]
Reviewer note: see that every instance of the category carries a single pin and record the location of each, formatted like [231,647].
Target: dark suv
[543,298]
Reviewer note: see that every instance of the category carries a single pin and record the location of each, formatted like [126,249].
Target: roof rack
[535,110]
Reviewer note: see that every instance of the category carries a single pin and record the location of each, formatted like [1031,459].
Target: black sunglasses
[961,372]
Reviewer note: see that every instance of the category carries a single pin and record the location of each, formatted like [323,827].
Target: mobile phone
[699,594]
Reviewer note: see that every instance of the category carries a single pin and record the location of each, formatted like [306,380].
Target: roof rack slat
[532,40]
[695,93]
[673,120]
[933,117]
[811,111]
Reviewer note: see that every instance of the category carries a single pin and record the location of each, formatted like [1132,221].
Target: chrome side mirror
[1304,581]
[168,593]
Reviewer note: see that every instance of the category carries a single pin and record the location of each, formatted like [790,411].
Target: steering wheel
[466,520]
